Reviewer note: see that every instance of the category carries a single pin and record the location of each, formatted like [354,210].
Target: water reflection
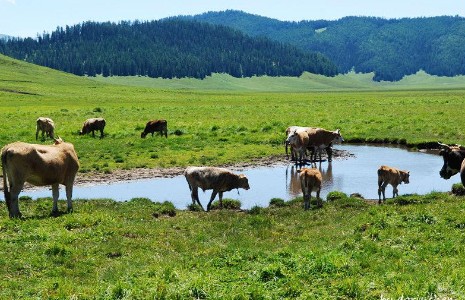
[356,174]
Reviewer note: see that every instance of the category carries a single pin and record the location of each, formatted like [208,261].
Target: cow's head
[337,137]
[453,157]
[291,137]
[404,177]
[243,182]
[143,134]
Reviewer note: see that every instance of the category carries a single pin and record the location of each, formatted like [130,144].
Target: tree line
[391,48]
[166,48]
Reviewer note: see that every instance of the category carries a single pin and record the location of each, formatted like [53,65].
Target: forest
[170,48]
[391,48]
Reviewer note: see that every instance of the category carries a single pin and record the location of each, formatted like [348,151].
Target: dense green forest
[391,48]
[167,48]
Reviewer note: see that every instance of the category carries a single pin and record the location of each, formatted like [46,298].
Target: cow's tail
[6,190]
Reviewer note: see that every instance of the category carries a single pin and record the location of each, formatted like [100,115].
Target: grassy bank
[210,127]
[413,247]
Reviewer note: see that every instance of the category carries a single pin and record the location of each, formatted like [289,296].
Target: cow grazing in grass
[454,161]
[46,126]
[38,165]
[310,181]
[298,141]
[320,139]
[393,176]
[219,180]
[155,126]
[93,124]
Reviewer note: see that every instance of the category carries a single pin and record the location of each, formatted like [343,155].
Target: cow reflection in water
[293,181]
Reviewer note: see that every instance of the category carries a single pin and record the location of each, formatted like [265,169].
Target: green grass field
[411,247]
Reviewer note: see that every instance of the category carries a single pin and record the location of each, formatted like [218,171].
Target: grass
[210,127]
[130,250]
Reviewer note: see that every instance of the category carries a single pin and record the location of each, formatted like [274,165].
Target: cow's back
[208,177]
[310,179]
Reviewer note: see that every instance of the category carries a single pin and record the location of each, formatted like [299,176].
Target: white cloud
[11,1]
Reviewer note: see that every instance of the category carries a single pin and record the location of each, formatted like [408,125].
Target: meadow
[410,247]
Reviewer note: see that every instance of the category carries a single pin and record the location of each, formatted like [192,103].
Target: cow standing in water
[38,165]
[454,161]
[393,176]
[46,126]
[93,124]
[219,180]
[155,126]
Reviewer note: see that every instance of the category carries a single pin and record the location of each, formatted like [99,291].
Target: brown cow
[155,125]
[38,165]
[291,129]
[320,139]
[310,181]
[93,124]
[211,178]
[47,126]
[393,176]
[298,140]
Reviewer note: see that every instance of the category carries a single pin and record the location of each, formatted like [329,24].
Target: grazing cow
[211,178]
[38,165]
[155,125]
[47,127]
[310,181]
[93,124]
[298,140]
[453,161]
[388,175]
[320,139]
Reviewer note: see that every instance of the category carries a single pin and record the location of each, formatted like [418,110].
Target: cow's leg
[307,199]
[37,133]
[395,191]
[101,133]
[69,196]
[383,190]
[211,199]
[318,199]
[55,194]
[329,152]
[380,184]
[195,196]
[93,133]
[220,195]
[14,203]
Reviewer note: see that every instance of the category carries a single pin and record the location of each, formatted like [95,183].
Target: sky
[28,18]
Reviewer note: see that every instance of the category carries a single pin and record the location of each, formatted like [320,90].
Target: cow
[454,162]
[310,181]
[47,126]
[219,180]
[319,139]
[290,130]
[393,176]
[38,165]
[93,124]
[155,125]
[298,141]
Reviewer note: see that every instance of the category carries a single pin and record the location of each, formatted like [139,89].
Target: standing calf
[155,125]
[211,178]
[393,176]
[93,124]
[310,181]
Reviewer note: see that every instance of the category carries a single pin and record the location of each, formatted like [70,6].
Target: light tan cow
[393,176]
[211,178]
[39,165]
[47,126]
[310,181]
[298,140]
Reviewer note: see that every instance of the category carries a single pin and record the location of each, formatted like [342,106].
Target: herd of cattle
[57,164]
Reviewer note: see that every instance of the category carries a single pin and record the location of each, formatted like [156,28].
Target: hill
[390,48]
[168,48]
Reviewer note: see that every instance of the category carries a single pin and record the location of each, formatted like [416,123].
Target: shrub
[278,202]
[255,210]
[458,189]
[335,195]
[194,207]
[227,204]
[166,208]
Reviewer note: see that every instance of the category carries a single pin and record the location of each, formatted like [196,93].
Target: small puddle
[355,174]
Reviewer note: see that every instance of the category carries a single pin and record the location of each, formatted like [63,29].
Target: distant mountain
[390,48]
[167,48]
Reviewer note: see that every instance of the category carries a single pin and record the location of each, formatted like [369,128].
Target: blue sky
[30,17]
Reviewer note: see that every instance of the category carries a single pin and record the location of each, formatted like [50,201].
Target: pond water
[354,174]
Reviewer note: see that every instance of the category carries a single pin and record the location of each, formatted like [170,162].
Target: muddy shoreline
[146,173]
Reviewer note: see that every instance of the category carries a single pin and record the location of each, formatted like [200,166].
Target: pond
[354,174]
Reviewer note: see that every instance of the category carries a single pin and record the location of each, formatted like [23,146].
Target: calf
[155,125]
[211,178]
[393,176]
[47,126]
[310,181]
[38,165]
[93,124]
[320,139]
